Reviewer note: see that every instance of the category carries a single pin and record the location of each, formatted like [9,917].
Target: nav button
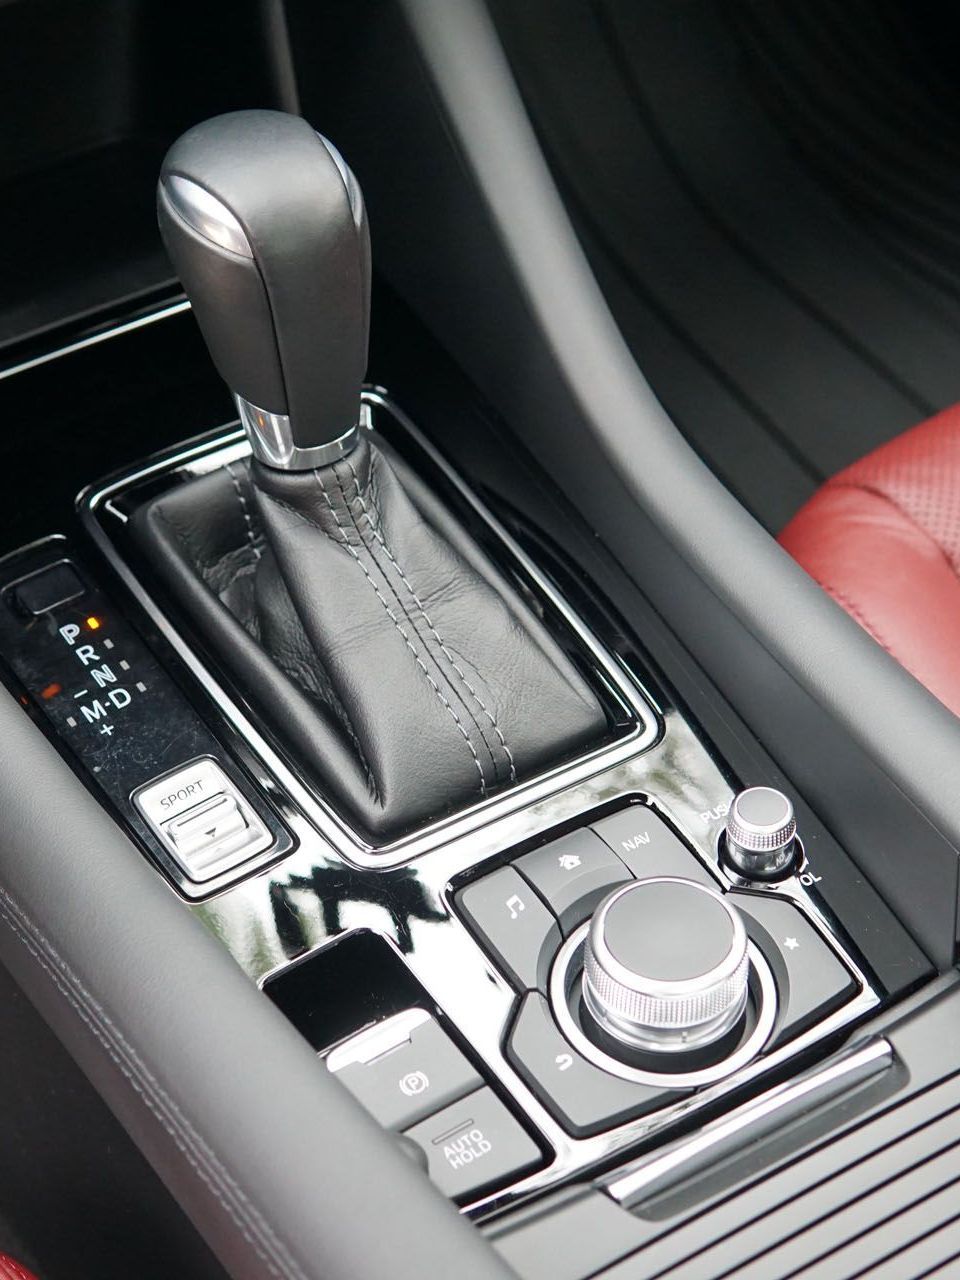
[513,923]
[648,846]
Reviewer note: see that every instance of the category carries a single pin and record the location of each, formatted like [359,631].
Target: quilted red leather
[10,1269]
[883,538]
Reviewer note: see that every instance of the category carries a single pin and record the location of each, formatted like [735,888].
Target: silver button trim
[202,819]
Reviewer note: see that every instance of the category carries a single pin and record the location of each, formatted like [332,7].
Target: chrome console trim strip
[94,339]
[755,1120]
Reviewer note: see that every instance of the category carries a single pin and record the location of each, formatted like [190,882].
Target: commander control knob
[666,966]
[761,832]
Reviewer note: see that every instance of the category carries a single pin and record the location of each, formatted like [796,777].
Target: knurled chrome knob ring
[666,1014]
[761,831]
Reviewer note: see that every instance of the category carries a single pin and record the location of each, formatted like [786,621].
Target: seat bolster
[889,574]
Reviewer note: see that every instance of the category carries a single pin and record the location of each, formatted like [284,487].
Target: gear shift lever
[266,228]
[397,668]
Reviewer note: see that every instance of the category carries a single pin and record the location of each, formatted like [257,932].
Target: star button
[791,944]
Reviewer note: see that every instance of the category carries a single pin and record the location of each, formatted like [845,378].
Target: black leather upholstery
[386,651]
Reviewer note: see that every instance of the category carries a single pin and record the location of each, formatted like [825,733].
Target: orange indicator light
[51,691]
[94,623]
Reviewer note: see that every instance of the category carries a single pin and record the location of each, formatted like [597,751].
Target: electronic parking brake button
[203,820]
[648,846]
[474,1145]
[512,922]
[403,1069]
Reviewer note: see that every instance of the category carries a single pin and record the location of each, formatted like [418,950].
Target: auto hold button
[474,1145]
[403,1069]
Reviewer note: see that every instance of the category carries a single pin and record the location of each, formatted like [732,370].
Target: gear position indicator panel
[125,720]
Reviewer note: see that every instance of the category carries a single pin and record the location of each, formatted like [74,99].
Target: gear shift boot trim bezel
[103,512]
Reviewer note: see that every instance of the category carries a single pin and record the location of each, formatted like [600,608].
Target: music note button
[512,922]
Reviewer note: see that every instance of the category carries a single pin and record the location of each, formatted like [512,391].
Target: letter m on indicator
[94,712]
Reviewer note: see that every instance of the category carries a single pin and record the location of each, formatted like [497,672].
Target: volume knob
[761,833]
[666,965]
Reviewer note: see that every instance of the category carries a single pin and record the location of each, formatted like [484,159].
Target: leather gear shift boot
[394,664]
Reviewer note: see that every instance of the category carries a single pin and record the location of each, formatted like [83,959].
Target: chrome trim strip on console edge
[94,339]
[755,1120]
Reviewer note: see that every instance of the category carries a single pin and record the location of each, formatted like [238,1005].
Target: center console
[614,954]
[522,991]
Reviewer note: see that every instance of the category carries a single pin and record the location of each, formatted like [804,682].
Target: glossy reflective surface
[332,885]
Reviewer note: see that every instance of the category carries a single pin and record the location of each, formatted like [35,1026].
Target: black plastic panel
[91,96]
[113,708]
[868,1185]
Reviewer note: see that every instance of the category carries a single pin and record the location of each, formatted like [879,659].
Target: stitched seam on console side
[406,639]
[181,1139]
[189,1142]
[377,533]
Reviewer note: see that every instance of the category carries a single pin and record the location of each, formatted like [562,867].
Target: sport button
[572,875]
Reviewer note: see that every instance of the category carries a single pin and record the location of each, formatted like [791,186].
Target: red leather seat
[10,1269]
[883,538]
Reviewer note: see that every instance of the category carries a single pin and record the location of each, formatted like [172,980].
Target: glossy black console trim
[332,884]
